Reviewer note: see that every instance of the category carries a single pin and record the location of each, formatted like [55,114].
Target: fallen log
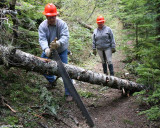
[9,56]
[85,25]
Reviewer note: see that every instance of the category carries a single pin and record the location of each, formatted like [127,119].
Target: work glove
[113,50]
[47,52]
[54,44]
[94,52]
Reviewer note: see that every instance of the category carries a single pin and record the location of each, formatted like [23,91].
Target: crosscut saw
[67,81]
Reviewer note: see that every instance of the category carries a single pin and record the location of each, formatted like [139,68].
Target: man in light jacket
[49,30]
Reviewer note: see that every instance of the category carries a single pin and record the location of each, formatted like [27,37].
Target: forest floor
[106,106]
[108,109]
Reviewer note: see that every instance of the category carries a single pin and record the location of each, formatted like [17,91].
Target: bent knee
[109,62]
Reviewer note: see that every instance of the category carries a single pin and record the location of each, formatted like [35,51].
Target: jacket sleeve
[93,41]
[42,38]
[112,39]
[64,34]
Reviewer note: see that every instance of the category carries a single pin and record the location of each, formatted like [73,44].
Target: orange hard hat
[50,10]
[100,19]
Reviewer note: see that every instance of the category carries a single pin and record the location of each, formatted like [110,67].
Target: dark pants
[64,57]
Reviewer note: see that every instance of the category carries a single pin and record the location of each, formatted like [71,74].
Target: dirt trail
[107,107]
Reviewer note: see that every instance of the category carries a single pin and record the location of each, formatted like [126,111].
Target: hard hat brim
[101,21]
[50,14]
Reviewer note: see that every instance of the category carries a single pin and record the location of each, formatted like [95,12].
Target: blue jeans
[51,78]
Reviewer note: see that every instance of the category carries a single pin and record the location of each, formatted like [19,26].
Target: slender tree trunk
[136,35]
[137,44]
[1,20]
[15,23]
[96,1]
[2,5]
[10,56]
[158,20]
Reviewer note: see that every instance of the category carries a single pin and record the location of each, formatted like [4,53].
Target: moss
[12,120]
[86,94]
[128,122]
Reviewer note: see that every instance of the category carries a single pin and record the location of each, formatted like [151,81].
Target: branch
[92,10]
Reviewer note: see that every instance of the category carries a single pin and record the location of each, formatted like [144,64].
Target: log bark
[10,56]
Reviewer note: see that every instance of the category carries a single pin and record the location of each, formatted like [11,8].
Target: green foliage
[12,120]
[28,42]
[143,51]
[155,97]
[139,20]
[86,94]
[76,9]
[126,121]
[153,113]
[48,101]
[29,15]
[80,41]
[15,88]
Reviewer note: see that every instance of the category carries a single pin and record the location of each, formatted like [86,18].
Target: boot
[111,69]
[105,68]
[69,98]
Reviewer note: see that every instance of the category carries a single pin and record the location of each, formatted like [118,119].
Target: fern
[153,113]
[48,102]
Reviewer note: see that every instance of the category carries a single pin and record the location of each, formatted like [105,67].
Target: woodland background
[136,27]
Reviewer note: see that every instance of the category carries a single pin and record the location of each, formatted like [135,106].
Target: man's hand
[54,44]
[47,52]
[94,52]
[113,50]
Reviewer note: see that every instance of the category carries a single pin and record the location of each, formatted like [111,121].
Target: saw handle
[54,41]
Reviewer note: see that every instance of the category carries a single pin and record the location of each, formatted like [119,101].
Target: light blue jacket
[103,39]
[48,33]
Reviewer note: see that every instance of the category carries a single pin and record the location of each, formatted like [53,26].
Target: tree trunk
[10,56]
[158,20]
[15,22]
[93,10]
[2,5]
[137,43]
